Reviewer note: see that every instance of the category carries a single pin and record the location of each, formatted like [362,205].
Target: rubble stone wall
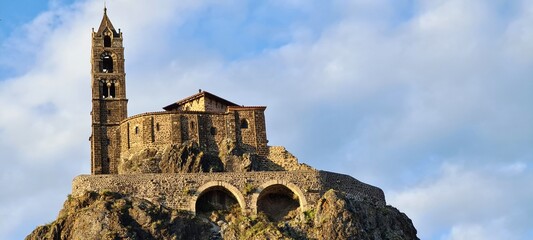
[161,129]
[180,191]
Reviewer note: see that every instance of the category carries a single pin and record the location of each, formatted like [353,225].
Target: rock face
[184,158]
[110,215]
[341,218]
[188,157]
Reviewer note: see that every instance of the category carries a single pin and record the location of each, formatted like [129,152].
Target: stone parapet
[181,191]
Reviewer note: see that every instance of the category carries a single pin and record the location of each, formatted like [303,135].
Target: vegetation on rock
[109,215]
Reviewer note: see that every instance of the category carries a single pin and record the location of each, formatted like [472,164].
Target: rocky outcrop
[281,158]
[184,158]
[115,216]
[335,217]
[191,158]
[110,215]
[341,218]
[188,158]
[237,159]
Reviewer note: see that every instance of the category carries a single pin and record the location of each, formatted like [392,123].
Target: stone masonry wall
[180,191]
[355,188]
[195,105]
[160,129]
[203,104]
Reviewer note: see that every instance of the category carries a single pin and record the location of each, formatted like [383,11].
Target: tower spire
[106,24]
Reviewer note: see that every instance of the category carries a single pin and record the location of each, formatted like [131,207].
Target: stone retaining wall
[180,191]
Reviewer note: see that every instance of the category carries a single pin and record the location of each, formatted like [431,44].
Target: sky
[430,100]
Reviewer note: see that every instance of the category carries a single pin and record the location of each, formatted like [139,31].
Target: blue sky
[429,100]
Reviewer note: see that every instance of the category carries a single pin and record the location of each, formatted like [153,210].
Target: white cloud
[469,204]
[433,107]
[480,232]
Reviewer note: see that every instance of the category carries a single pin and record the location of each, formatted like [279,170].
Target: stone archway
[278,200]
[217,195]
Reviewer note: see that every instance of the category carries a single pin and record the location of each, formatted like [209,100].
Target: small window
[136,130]
[107,41]
[213,131]
[193,126]
[157,126]
[112,90]
[108,112]
[244,124]
[105,90]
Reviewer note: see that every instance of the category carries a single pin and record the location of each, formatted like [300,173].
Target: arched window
[108,88]
[107,41]
[193,126]
[136,130]
[106,64]
[244,124]
[157,127]
[112,90]
[105,90]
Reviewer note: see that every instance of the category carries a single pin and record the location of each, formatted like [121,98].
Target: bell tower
[109,103]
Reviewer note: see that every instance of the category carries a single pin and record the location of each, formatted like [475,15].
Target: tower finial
[105,6]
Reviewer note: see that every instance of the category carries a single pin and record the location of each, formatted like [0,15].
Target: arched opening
[278,202]
[106,65]
[244,124]
[105,90]
[216,198]
[107,41]
[112,90]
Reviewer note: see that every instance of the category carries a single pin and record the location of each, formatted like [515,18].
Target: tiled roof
[197,96]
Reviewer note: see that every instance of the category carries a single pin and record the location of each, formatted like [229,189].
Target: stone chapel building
[200,151]
[203,118]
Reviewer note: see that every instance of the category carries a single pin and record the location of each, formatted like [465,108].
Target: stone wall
[195,105]
[202,104]
[180,191]
[208,129]
[282,158]
[354,188]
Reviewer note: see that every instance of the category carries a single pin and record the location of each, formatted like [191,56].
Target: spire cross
[105,6]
